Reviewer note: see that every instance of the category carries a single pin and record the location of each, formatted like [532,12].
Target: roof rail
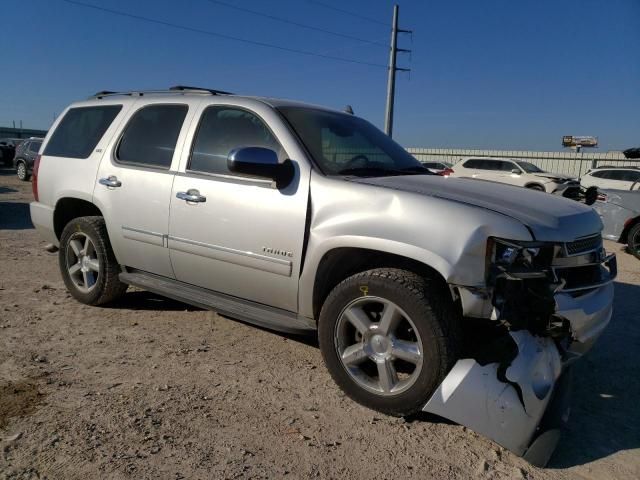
[183,88]
[175,89]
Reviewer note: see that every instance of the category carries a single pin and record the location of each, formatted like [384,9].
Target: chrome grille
[584,245]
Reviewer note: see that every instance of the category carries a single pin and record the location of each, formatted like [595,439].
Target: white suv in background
[615,178]
[519,173]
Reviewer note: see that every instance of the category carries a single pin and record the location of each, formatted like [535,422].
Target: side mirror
[516,171]
[261,163]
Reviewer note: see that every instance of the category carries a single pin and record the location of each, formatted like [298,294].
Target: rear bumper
[42,219]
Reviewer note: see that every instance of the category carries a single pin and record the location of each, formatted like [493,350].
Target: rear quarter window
[80,130]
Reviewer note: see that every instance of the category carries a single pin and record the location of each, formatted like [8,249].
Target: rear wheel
[87,263]
[22,171]
[633,240]
[388,338]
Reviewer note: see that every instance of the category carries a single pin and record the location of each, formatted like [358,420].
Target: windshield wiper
[379,171]
[418,169]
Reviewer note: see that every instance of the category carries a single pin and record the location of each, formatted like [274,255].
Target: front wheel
[537,188]
[633,240]
[87,263]
[388,338]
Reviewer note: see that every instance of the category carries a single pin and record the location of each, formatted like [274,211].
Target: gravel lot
[152,388]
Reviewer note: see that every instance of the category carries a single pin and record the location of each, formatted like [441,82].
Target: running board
[245,310]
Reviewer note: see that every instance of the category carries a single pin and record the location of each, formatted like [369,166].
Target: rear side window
[80,130]
[223,129]
[151,135]
[473,164]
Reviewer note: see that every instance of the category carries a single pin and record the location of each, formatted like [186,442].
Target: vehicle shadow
[15,216]
[143,300]
[605,417]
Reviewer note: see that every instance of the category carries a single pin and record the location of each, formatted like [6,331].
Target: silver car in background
[620,214]
[461,298]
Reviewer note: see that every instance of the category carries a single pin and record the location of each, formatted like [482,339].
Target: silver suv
[461,298]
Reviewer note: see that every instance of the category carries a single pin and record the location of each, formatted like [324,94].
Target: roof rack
[175,89]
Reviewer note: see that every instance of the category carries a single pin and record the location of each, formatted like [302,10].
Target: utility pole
[391,81]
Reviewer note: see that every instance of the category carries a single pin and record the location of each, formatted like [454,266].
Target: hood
[561,176]
[548,217]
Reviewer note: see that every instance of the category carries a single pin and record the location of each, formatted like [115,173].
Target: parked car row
[20,154]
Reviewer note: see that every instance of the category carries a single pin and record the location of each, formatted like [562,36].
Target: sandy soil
[152,388]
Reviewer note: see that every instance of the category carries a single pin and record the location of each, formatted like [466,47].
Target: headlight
[508,253]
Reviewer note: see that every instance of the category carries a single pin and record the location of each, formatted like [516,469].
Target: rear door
[245,236]
[133,185]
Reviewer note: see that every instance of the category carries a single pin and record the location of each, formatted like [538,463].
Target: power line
[331,7]
[297,24]
[220,35]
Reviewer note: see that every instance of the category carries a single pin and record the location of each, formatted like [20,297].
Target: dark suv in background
[8,149]
[25,157]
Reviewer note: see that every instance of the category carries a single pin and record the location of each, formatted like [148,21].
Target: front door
[133,186]
[238,235]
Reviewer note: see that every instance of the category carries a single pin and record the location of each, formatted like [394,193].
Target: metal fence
[570,163]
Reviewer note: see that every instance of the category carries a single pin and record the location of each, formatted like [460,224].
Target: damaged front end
[543,306]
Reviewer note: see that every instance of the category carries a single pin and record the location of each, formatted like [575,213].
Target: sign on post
[579,141]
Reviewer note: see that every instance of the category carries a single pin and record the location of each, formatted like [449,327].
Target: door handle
[191,195]
[111,181]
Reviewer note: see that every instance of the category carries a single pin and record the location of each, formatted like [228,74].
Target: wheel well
[628,226]
[69,208]
[534,184]
[340,263]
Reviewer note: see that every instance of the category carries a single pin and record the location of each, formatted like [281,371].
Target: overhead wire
[353,14]
[220,35]
[297,24]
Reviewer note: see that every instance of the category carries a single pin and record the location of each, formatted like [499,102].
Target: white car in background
[614,178]
[514,172]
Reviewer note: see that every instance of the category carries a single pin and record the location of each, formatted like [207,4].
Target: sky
[492,74]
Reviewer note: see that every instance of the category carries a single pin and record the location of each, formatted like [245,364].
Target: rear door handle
[111,181]
[191,195]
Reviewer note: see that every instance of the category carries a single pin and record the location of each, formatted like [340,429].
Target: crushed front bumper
[521,403]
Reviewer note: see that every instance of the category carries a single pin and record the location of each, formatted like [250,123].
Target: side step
[245,310]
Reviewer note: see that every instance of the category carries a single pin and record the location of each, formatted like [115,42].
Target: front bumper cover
[522,405]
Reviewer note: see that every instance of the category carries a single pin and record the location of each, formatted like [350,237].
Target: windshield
[342,144]
[529,167]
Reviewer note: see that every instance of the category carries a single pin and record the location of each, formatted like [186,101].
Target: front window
[342,144]
[529,167]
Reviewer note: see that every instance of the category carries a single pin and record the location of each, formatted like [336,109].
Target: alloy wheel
[379,345]
[82,262]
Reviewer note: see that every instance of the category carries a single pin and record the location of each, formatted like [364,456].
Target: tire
[633,241]
[90,271]
[22,171]
[428,321]
[538,188]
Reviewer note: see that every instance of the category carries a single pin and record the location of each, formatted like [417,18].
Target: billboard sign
[579,141]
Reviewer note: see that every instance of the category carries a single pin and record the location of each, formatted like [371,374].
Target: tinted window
[473,164]
[492,165]
[80,130]
[629,176]
[598,174]
[151,135]
[616,175]
[223,129]
[34,146]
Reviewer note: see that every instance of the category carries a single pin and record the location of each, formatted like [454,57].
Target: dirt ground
[152,388]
